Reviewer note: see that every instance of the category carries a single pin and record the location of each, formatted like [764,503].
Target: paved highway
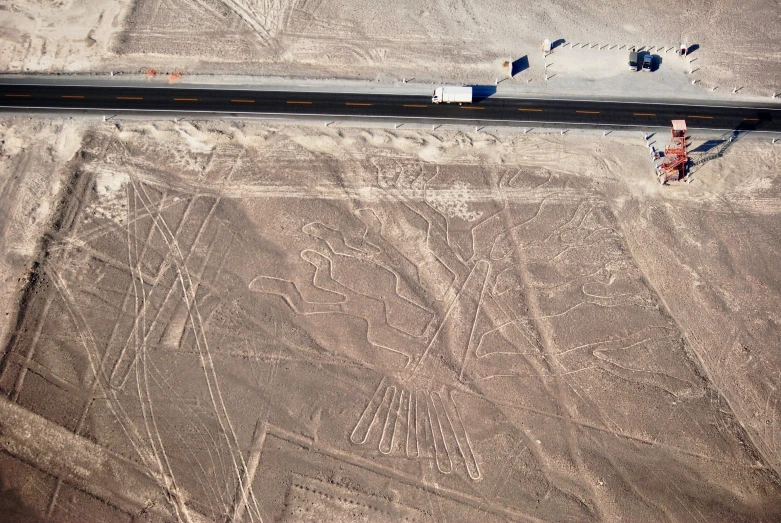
[485,110]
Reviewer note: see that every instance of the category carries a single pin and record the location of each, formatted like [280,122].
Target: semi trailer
[452,95]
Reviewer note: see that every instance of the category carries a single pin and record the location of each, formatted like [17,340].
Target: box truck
[452,95]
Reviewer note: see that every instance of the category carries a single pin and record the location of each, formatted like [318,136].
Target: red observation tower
[675,157]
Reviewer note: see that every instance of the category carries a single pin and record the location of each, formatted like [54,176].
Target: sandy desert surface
[231,321]
[244,321]
[459,41]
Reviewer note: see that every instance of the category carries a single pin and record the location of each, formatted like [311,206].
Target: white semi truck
[452,95]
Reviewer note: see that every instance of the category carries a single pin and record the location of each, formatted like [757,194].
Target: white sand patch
[112,200]
[432,153]
[197,141]
[108,183]
[249,139]
[321,143]
[11,145]
[68,143]
[454,203]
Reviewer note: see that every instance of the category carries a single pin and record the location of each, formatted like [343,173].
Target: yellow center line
[354,103]
[752,119]
[129,98]
[186,99]
[300,103]
[644,114]
[415,105]
[707,117]
[530,110]
[474,108]
[72,96]
[18,95]
[588,112]
[243,101]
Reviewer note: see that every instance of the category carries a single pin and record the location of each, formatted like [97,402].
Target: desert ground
[243,320]
[247,321]
[734,46]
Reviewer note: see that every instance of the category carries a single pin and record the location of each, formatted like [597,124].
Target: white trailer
[452,95]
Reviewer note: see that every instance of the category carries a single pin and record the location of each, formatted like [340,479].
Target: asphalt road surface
[485,109]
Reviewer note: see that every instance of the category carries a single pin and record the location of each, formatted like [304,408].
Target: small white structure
[546,47]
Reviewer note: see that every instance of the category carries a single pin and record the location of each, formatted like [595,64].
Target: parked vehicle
[450,95]
[633,61]
[648,62]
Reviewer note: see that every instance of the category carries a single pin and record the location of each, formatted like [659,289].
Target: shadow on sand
[520,65]
[713,149]
[481,92]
